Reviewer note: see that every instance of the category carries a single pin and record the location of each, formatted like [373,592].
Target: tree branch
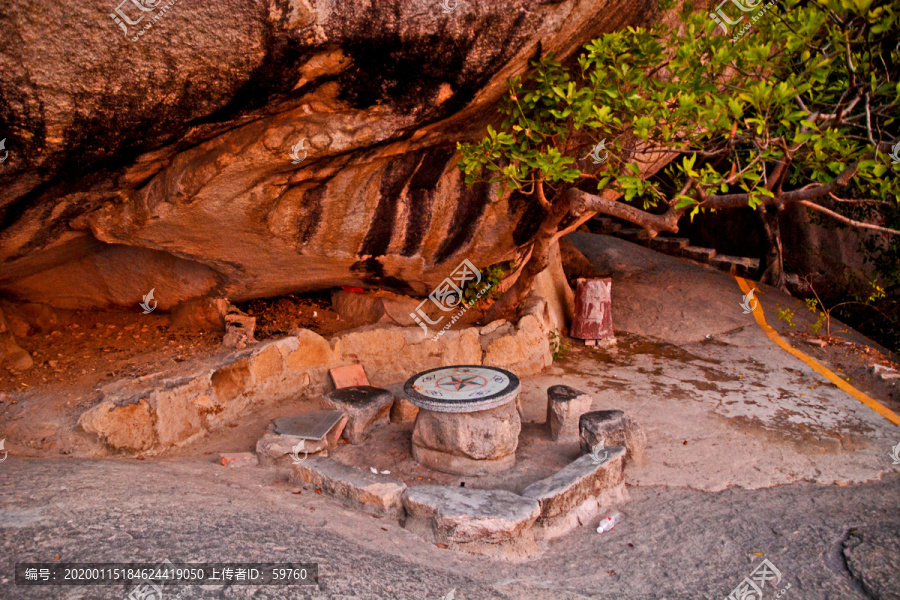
[846,220]
[583,201]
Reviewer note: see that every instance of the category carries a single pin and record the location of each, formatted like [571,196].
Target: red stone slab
[349,376]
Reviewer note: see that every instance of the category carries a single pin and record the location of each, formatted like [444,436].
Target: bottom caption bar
[156,575]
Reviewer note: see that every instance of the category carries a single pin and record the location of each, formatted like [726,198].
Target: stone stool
[565,406]
[613,428]
[364,405]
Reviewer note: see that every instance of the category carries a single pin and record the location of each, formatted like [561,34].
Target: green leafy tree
[800,110]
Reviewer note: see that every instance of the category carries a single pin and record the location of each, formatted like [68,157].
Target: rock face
[321,154]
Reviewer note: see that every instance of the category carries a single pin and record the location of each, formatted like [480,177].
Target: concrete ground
[752,455]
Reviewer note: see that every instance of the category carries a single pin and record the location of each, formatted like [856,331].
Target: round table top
[462,388]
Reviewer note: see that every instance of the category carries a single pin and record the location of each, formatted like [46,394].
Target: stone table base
[472,443]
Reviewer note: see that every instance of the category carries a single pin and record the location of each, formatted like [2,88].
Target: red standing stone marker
[593,311]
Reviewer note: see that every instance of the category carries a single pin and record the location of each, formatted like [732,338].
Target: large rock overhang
[165,162]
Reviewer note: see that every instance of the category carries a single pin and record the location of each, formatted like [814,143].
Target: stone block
[178,419]
[278,443]
[724,263]
[306,352]
[471,443]
[565,406]
[478,521]
[703,255]
[199,314]
[127,426]
[402,410]
[525,351]
[372,493]
[273,449]
[669,245]
[267,365]
[613,428]
[232,380]
[237,459]
[364,405]
[579,491]
[357,309]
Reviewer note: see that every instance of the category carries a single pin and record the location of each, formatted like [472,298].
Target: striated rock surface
[247,149]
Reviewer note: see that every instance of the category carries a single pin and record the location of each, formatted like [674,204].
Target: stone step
[746,267]
[632,234]
[724,263]
[704,255]
[735,265]
[578,492]
[604,222]
[491,522]
[364,490]
[669,245]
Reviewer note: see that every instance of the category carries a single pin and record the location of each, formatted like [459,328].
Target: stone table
[467,422]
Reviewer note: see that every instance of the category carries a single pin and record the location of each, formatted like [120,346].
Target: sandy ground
[751,455]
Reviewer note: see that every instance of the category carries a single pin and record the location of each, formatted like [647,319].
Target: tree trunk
[507,305]
[771,263]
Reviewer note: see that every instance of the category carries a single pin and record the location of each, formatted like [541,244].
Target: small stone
[239,329]
[364,405]
[565,405]
[237,459]
[819,343]
[369,492]
[199,314]
[612,428]
[885,373]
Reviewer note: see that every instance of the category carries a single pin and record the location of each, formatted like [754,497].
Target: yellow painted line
[816,365]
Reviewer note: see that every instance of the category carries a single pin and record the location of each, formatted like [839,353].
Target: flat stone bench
[578,492]
[364,490]
[488,522]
